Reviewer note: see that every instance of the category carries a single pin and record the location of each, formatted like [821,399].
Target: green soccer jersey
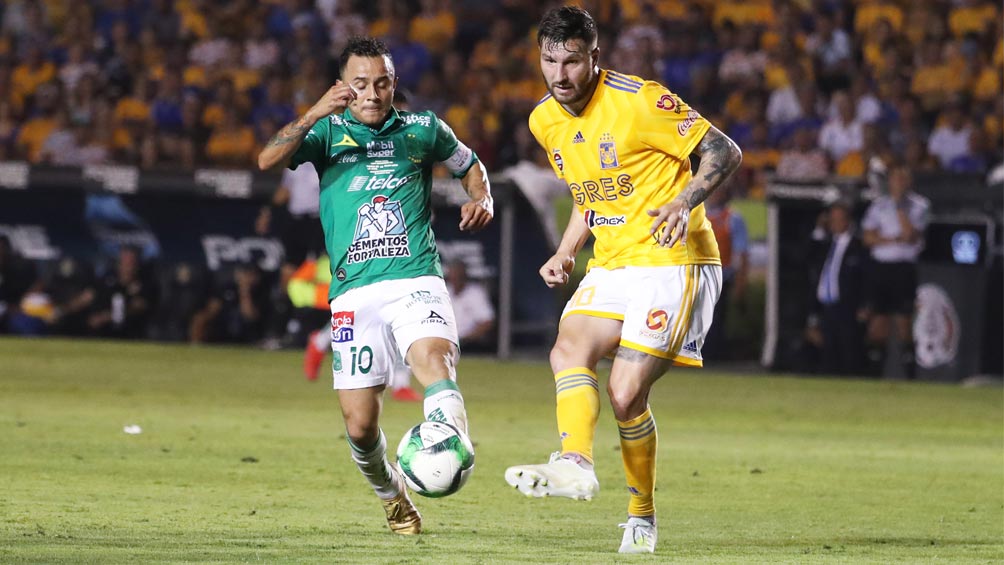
[376,186]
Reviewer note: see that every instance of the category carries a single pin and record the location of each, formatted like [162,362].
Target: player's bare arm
[479,211]
[556,270]
[720,157]
[283,145]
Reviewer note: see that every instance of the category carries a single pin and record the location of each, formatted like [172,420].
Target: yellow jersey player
[623,145]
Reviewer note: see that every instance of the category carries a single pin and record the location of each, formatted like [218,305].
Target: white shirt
[838,139]
[541,188]
[831,51]
[783,106]
[472,307]
[829,279]
[946,144]
[882,217]
[304,190]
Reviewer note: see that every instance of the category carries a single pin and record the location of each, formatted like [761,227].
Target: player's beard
[574,96]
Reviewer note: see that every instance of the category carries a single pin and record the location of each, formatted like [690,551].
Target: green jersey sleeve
[451,152]
[313,147]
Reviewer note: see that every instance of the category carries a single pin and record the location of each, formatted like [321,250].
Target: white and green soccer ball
[435,458]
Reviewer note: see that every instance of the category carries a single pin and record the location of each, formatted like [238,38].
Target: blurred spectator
[476,325]
[71,288]
[745,61]
[411,59]
[733,246]
[831,49]
[125,299]
[261,52]
[951,141]
[32,73]
[77,65]
[231,143]
[36,129]
[842,133]
[760,159]
[16,276]
[8,131]
[236,311]
[804,162]
[185,294]
[838,280]
[894,227]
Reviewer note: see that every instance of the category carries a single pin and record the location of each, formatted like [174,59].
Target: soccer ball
[435,458]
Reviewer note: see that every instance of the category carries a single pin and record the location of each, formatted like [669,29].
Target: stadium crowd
[808,88]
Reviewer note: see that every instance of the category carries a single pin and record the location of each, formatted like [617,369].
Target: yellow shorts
[666,311]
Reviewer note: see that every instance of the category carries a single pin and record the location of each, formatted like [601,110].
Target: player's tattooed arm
[720,157]
[479,211]
[280,149]
[292,133]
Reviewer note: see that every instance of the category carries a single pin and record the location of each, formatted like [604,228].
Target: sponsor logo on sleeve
[558,161]
[460,158]
[667,102]
[683,127]
[434,318]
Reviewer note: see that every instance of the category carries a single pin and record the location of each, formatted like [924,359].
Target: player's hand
[477,214]
[334,101]
[556,270]
[675,216]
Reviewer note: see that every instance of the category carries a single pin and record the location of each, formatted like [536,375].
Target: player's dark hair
[564,24]
[361,47]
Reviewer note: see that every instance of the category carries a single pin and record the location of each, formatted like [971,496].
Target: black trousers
[843,349]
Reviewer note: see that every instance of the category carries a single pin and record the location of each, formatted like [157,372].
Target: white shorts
[666,311]
[373,326]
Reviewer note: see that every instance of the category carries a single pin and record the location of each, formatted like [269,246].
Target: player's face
[374,82]
[569,71]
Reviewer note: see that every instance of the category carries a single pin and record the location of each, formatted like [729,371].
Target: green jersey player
[387,296]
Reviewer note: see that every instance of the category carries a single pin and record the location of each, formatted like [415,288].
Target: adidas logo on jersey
[578,138]
[690,347]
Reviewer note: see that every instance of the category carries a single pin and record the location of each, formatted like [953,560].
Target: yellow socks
[578,409]
[639,442]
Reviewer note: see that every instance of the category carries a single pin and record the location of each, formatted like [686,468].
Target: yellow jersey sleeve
[666,123]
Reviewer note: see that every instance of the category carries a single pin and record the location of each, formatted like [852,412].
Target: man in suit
[838,277]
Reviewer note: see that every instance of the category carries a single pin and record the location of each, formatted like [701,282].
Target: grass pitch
[241,460]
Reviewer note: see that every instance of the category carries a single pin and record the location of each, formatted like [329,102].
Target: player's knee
[361,432]
[627,402]
[432,356]
[563,354]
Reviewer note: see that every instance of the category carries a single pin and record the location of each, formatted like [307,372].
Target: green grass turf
[752,469]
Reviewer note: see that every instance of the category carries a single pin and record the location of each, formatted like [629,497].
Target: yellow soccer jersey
[627,153]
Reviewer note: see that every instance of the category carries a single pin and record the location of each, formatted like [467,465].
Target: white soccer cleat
[557,477]
[639,536]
